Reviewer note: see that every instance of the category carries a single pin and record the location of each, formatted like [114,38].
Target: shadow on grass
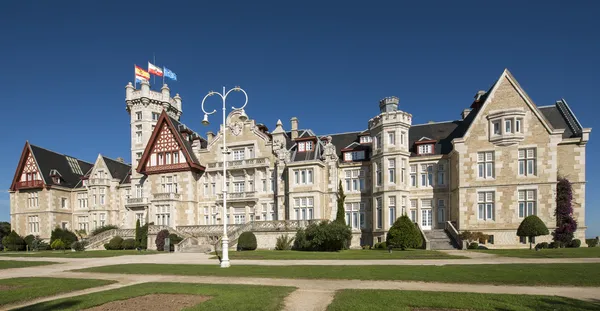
[51,305]
[568,304]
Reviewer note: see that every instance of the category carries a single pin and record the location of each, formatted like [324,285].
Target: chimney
[294,128]
[210,136]
[465,113]
[120,160]
[478,99]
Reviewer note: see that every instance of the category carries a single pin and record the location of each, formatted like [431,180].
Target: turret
[389,104]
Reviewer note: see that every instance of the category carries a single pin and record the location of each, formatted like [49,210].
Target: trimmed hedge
[576,243]
[128,244]
[115,243]
[13,242]
[246,242]
[324,237]
[591,242]
[404,234]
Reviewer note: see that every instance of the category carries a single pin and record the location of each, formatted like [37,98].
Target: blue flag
[169,74]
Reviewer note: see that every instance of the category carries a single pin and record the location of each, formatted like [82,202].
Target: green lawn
[224,297]
[71,254]
[582,252]
[341,255]
[372,300]
[518,274]
[25,289]
[10,264]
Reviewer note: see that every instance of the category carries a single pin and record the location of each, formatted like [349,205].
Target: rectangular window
[354,180]
[378,174]
[485,201]
[402,138]
[527,162]
[441,180]
[155,116]
[378,204]
[392,171]
[366,139]
[441,211]
[496,126]
[303,208]
[527,203]
[163,215]
[413,176]
[378,141]
[309,145]
[102,196]
[32,199]
[205,189]
[426,149]
[63,202]
[354,155]
[485,164]
[238,154]
[426,175]
[391,138]
[34,224]
[403,172]
[508,126]
[138,115]
[303,176]
[301,147]
[392,210]
[518,123]
[238,186]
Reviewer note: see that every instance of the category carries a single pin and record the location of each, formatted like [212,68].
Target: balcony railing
[136,201]
[30,184]
[238,196]
[255,162]
[99,182]
[167,196]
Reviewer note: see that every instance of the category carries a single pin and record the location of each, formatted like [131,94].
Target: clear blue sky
[65,64]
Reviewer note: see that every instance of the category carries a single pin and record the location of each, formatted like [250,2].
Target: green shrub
[575,243]
[13,242]
[128,244]
[144,236]
[591,242]
[542,245]
[78,246]
[65,235]
[160,239]
[404,234]
[103,229]
[473,245]
[382,245]
[58,244]
[39,245]
[325,236]
[174,239]
[115,243]
[29,240]
[531,227]
[138,234]
[284,242]
[246,241]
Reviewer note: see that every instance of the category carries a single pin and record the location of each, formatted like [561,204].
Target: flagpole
[134,78]
[154,63]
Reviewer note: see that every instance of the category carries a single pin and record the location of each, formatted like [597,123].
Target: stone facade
[484,172]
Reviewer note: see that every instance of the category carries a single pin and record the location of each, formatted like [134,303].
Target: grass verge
[224,297]
[71,254]
[372,300]
[517,274]
[583,252]
[10,264]
[25,289]
[342,255]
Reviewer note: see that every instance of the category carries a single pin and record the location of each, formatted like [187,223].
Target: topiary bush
[325,236]
[283,243]
[13,242]
[404,234]
[531,227]
[65,235]
[128,244]
[160,239]
[473,245]
[103,229]
[591,242]
[115,243]
[576,243]
[246,241]
[58,244]
[78,246]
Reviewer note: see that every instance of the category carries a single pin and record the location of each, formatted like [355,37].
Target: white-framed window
[354,155]
[140,217]
[413,176]
[102,196]
[138,157]
[33,223]
[392,171]
[485,201]
[413,210]
[82,199]
[213,188]
[309,145]
[378,142]
[366,139]
[304,208]
[391,138]
[392,210]
[426,175]
[238,154]
[355,180]
[168,184]
[163,215]
[155,116]
[303,176]
[355,215]
[518,125]
[403,205]
[102,219]
[403,172]
[379,216]
[32,199]
[139,191]
[138,115]
[485,164]
[426,149]
[441,174]
[138,134]
[508,126]
[441,211]
[378,174]
[207,219]
[63,203]
[238,186]
[82,222]
[527,162]
[496,127]
[402,138]
[205,189]
[527,203]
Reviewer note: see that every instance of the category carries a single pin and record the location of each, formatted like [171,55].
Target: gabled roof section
[342,141]
[561,116]
[184,142]
[441,132]
[117,169]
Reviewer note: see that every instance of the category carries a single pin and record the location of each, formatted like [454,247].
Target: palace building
[485,171]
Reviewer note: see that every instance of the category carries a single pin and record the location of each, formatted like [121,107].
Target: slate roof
[343,140]
[442,132]
[560,116]
[188,142]
[315,154]
[117,169]
[49,160]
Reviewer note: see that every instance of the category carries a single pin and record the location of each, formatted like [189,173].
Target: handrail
[449,227]
[426,242]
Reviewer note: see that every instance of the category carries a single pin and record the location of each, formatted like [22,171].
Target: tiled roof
[70,169]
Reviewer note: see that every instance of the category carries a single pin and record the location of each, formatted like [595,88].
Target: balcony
[165,196]
[246,163]
[98,182]
[30,184]
[238,196]
[136,202]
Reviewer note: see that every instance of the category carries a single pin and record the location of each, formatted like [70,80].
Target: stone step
[198,249]
[442,245]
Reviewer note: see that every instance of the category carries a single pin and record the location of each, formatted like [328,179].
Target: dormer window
[354,155]
[425,146]
[366,139]
[426,149]
[305,146]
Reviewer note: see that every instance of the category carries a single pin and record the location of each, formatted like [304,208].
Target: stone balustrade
[167,196]
[254,162]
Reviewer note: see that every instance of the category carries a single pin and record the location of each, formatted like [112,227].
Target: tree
[160,239]
[13,242]
[4,231]
[404,234]
[565,224]
[531,227]
[138,234]
[341,197]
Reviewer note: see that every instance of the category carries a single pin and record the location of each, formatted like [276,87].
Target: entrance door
[426,219]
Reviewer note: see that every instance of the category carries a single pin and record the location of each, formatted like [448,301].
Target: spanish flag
[141,74]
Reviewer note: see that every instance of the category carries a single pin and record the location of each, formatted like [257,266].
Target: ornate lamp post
[243,117]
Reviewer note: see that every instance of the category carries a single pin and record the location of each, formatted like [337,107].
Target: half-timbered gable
[27,175]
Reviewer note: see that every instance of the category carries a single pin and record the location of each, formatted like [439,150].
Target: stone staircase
[439,239]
